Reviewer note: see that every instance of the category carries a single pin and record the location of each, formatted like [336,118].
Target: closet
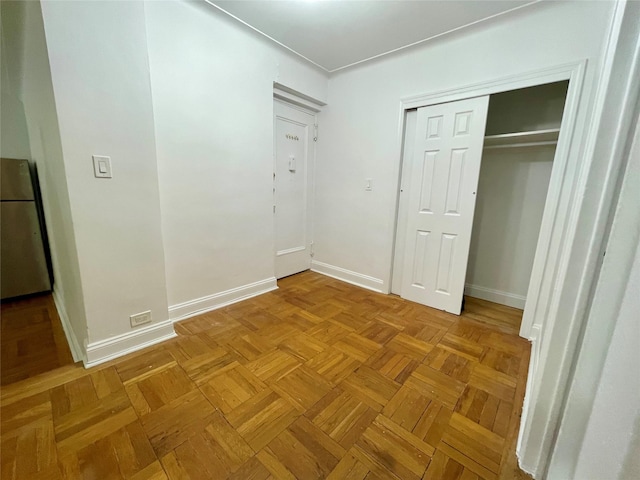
[474,181]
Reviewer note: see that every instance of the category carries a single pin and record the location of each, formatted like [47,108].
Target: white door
[401,225]
[441,201]
[292,183]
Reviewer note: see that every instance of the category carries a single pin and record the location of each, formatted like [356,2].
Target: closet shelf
[522,139]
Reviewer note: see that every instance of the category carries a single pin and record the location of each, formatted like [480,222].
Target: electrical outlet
[140,318]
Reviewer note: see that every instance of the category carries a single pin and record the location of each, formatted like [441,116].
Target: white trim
[289,250]
[557,221]
[354,278]
[419,42]
[532,78]
[74,346]
[289,95]
[497,296]
[114,347]
[267,36]
[526,407]
[201,305]
[433,37]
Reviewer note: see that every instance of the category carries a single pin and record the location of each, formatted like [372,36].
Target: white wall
[100,72]
[615,416]
[511,196]
[26,59]
[14,137]
[212,83]
[360,133]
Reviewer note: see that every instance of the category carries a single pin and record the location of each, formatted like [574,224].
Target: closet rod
[522,139]
[520,145]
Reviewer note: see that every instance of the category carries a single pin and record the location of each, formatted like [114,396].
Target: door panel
[441,201]
[401,226]
[292,182]
[421,258]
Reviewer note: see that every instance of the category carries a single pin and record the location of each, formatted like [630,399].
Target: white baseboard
[105,350]
[364,281]
[533,364]
[497,296]
[76,351]
[191,308]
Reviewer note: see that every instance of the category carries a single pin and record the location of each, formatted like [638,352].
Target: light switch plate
[368,184]
[102,166]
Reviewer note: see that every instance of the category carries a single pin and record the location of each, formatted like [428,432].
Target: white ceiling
[335,34]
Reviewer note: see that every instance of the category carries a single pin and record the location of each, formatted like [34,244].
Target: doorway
[496,259]
[294,152]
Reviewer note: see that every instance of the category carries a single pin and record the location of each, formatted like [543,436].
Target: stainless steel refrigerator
[23,264]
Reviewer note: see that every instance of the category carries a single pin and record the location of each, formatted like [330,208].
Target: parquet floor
[319,379]
[31,338]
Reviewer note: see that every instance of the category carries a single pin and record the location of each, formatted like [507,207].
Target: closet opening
[516,154]
[517,159]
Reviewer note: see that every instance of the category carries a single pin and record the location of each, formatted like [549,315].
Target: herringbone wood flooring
[319,379]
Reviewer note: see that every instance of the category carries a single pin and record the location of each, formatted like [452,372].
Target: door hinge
[274,209]
[311,252]
[315,136]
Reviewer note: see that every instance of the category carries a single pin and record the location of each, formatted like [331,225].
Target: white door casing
[292,183]
[441,200]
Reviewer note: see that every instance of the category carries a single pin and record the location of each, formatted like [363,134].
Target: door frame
[544,276]
[302,105]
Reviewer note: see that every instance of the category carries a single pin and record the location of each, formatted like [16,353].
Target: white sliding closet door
[442,195]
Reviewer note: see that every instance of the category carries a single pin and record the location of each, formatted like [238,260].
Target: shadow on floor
[31,338]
